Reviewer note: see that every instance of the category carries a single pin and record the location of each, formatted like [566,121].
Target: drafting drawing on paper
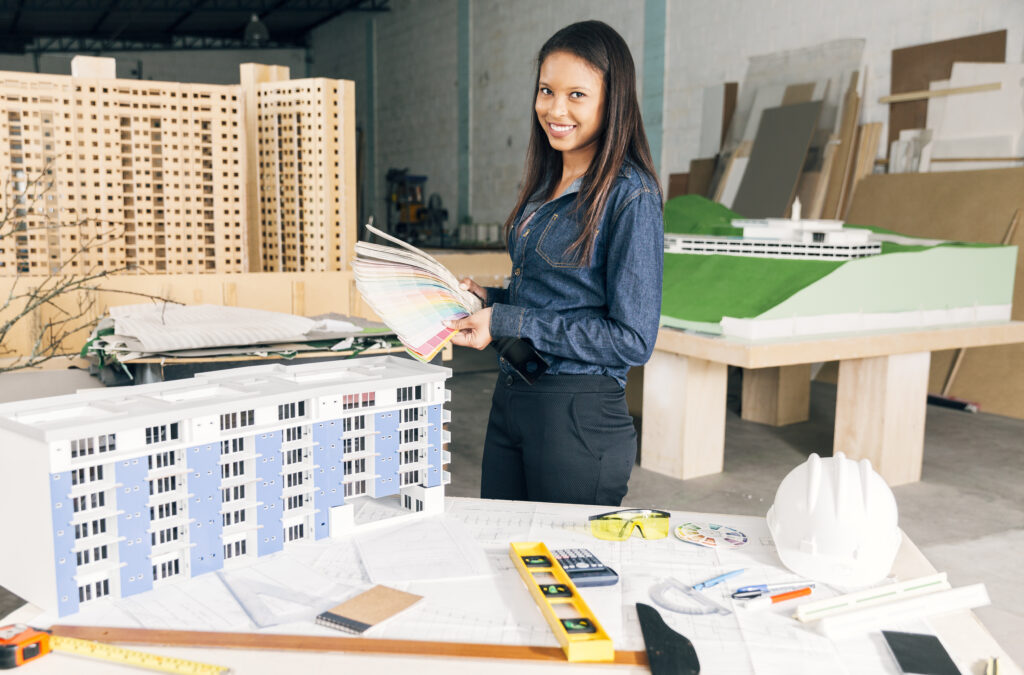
[119,491]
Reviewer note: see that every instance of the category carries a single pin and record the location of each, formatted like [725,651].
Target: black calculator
[584,568]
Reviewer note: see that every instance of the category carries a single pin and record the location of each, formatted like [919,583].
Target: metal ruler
[573,623]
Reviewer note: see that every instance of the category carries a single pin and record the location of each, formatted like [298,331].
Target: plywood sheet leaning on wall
[962,206]
[914,68]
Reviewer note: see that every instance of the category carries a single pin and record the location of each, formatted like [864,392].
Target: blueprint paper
[424,549]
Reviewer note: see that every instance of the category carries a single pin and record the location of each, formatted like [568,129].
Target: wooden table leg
[684,415]
[777,396]
[880,411]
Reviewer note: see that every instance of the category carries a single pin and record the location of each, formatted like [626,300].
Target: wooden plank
[843,152]
[701,171]
[793,351]
[931,93]
[798,93]
[728,108]
[684,416]
[678,184]
[777,396]
[868,136]
[958,206]
[195,638]
[914,68]
[880,413]
[776,160]
[816,205]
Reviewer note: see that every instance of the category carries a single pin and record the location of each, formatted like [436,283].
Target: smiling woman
[585,238]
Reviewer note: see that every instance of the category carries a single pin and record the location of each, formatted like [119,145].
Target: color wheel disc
[711,535]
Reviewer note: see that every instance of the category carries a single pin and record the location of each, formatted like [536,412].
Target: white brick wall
[711,43]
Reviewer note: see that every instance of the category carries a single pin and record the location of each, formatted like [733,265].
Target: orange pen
[769,600]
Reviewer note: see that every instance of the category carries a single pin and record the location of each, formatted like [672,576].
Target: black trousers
[567,438]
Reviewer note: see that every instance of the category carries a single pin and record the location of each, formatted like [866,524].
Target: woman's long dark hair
[622,135]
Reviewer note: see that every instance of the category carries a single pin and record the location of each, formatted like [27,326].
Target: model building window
[350,445]
[232,493]
[410,478]
[162,459]
[165,484]
[83,475]
[293,434]
[411,415]
[349,401]
[287,411]
[234,517]
[232,469]
[369,399]
[107,442]
[94,501]
[410,393]
[98,590]
[163,510]
[295,532]
[90,528]
[294,502]
[82,446]
[354,466]
[293,456]
[410,435]
[234,549]
[166,569]
[409,456]
[161,433]
[232,445]
[354,423]
[164,536]
[355,488]
[245,418]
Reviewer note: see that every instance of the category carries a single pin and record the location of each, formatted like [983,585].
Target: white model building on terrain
[112,492]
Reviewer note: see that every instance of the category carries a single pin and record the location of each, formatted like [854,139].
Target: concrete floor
[966,514]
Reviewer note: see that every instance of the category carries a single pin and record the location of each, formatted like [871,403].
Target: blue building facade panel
[327,478]
[62,511]
[433,477]
[133,524]
[204,508]
[385,446]
[269,488]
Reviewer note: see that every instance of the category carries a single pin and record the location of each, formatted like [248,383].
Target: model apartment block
[170,177]
[113,492]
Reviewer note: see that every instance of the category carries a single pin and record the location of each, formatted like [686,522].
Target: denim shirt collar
[537,198]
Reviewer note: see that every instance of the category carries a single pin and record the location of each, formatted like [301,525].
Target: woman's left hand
[474,330]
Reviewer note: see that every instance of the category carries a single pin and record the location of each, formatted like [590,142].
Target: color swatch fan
[412,293]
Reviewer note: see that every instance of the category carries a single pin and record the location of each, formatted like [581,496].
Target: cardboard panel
[776,160]
[678,184]
[701,171]
[961,206]
[914,68]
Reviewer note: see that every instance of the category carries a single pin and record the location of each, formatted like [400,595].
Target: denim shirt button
[518,270]
[508,380]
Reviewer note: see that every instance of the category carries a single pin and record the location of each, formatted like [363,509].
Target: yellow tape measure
[573,623]
[131,657]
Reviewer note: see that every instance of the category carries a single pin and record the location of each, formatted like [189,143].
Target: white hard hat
[834,521]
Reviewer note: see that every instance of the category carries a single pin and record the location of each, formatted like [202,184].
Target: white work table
[496,609]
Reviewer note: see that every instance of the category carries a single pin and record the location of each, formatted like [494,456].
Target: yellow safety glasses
[618,525]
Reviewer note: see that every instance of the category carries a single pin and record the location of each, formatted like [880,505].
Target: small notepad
[366,610]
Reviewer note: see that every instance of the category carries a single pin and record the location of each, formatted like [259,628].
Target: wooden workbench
[880,402]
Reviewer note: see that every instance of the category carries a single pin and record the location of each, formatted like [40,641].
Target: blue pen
[716,580]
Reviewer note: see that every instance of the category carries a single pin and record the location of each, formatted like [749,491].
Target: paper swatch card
[366,610]
[412,292]
[711,535]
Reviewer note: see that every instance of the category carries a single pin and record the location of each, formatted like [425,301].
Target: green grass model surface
[699,290]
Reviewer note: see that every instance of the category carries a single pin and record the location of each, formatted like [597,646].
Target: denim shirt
[596,318]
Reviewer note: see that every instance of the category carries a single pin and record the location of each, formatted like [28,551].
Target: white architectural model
[782,238]
[112,492]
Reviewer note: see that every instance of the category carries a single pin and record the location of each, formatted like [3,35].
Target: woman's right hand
[473,287]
